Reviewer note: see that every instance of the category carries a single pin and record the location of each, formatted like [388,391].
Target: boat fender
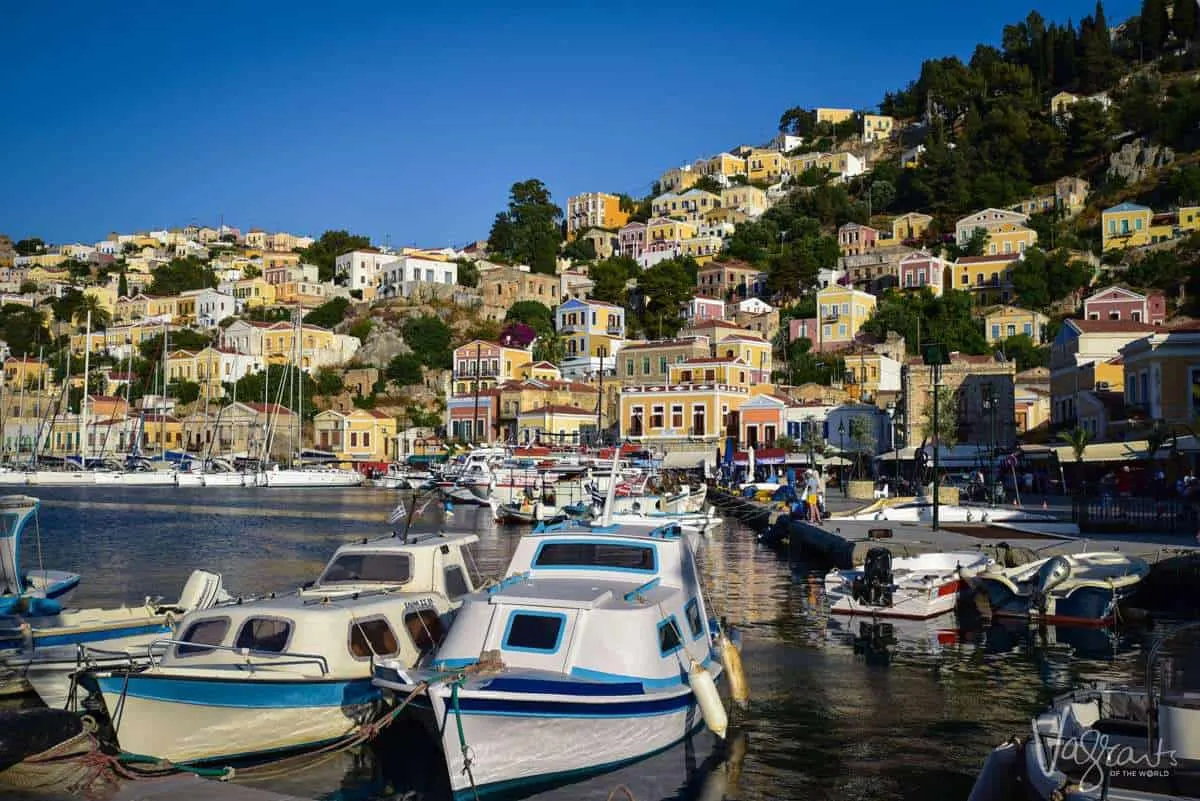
[739,689]
[705,690]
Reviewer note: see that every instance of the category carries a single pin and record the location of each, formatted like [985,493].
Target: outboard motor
[1053,573]
[874,587]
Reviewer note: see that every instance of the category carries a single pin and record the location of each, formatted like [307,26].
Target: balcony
[573,328]
[615,330]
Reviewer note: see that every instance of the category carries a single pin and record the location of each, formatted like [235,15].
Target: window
[635,421]
[995,331]
[597,555]
[1114,315]
[1138,224]
[692,610]
[392,568]
[677,417]
[699,424]
[455,579]
[645,365]
[1011,330]
[425,629]
[372,637]
[670,639]
[656,416]
[540,632]
[353,439]
[203,632]
[662,365]
[270,634]
[1027,329]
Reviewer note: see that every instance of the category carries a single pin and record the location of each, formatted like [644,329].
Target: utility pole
[475,414]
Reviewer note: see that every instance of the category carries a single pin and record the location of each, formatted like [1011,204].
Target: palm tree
[1078,439]
[101,316]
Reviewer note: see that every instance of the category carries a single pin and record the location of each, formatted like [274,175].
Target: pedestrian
[811,491]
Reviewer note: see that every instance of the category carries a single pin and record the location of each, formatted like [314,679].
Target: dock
[194,788]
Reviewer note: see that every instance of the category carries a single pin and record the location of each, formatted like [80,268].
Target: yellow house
[1126,225]
[910,226]
[725,164]
[591,331]
[41,274]
[593,210]
[273,258]
[878,127]
[46,261]
[106,296]
[1010,241]
[256,238]
[538,371]
[363,435]
[748,199]
[989,278]
[1003,322]
[663,229]
[703,249]
[841,163]
[554,424]
[93,342]
[161,431]
[842,312]
[648,363]
[834,115]
[24,371]
[677,179]
[254,292]
[804,161]
[755,353]
[1061,102]
[690,205]
[1163,374]
[766,165]
[491,362]
[693,407]
[117,337]
[279,343]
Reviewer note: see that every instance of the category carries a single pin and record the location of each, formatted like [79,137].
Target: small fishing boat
[596,651]
[287,672]
[29,592]
[528,512]
[1111,741]
[916,587]
[1082,588]
[42,652]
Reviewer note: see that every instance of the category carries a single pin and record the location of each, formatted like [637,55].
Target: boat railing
[1152,662]
[275,656]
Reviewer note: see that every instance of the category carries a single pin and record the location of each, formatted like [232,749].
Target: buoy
[705,690]
[1044,506]
[739,690]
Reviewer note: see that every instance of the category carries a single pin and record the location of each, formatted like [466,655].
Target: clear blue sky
[411,120]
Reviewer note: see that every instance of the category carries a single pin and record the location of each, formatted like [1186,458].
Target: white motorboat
[62,478]
[43,652]
[1114,742]
[138,478]
[1082,588]
[288,672]
[597,651]
[920,510]
[29,592]
[309,477]
[915,587]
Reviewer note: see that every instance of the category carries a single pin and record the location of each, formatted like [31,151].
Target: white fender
[705,689]
[739,689]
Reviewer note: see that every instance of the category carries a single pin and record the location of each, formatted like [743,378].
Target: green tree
[404,370]
[549,349]
[182,275]
[798,122]
[707,183]
[1154,27]
[468,272]
[1183,20]
[801,365]
[28,287]
[329,313]
[328,247]
[429,338]
[150,349]
[946,433]
[580,249]
[1025,352]
[329,381]
[67,305]
[122,286]
[1078,439]
[280,384]
[609,278]
[101,316]
[184,391]
[529,232]
[361,328]
[665,287]
[23,328]
[29,247]
[533,313]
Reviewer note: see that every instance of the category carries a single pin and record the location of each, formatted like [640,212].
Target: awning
[1104,452]
[683,460]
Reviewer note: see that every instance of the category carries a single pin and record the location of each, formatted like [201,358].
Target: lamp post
[989,409]
[842,447]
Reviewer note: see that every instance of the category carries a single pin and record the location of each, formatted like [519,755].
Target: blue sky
[408,122]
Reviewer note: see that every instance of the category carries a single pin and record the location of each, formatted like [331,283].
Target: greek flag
[398,513]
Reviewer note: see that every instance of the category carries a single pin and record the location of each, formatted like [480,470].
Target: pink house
[631,239]
[855,239]
[1119,303]
[806,328]
[920,269]
[702,310]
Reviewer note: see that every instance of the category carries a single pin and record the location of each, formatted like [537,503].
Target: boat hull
[906,605]
[202,719]
[224,480]
[149,478]
[1084,606]
[515,743]
[310,478]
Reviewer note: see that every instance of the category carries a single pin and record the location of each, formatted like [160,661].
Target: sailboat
[301,476]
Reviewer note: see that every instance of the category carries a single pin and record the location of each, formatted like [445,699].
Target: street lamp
[989,409]
[842,466]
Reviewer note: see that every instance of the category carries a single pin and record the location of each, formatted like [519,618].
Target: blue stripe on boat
[651,707]
[246,693]
[97,636]
[512,684]
[650,684]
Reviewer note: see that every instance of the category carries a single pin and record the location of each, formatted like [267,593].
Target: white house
[359,269]
[398,278]
[211,306]
[755,306]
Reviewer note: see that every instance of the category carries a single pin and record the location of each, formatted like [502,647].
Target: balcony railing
[615,330]
[573,328]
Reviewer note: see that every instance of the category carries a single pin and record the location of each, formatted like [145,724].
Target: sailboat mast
[162,421]
[83,403]
[299,376]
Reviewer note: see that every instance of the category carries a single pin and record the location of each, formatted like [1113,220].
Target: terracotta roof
[1110,326]
[105,398]
[268,408]
[711,360]
[560,409]
[1005,257]
[378,415]
[26,359]
[661,343]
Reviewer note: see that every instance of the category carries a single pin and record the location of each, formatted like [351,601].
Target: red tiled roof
[268,408]
[560,409]
[1111,326]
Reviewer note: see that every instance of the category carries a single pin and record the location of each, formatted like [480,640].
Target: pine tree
[1154,27]
[1102,26]
[1183,20]
[122,286]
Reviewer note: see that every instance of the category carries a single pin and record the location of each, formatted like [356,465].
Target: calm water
[836,712]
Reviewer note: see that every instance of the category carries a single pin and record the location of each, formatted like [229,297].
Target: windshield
[388,568]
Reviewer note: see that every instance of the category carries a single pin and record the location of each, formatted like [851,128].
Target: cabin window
[425,628]
[395,568]
[269,634]
[540,632]
[693,618]
[455,579]
[670,639]
[596,555]
[372,637]
[202,633]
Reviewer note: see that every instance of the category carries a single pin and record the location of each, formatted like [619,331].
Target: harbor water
[839,709]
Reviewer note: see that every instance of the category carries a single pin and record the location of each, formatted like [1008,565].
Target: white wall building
[359,269]
[211,306]
[399,277]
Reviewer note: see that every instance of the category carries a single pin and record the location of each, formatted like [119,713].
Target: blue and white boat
[288,672]
[595,652]
[27,592]
[1080,589]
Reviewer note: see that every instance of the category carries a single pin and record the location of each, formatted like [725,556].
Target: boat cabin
[310,635]
[21,591]
[438,562]
[574,592]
